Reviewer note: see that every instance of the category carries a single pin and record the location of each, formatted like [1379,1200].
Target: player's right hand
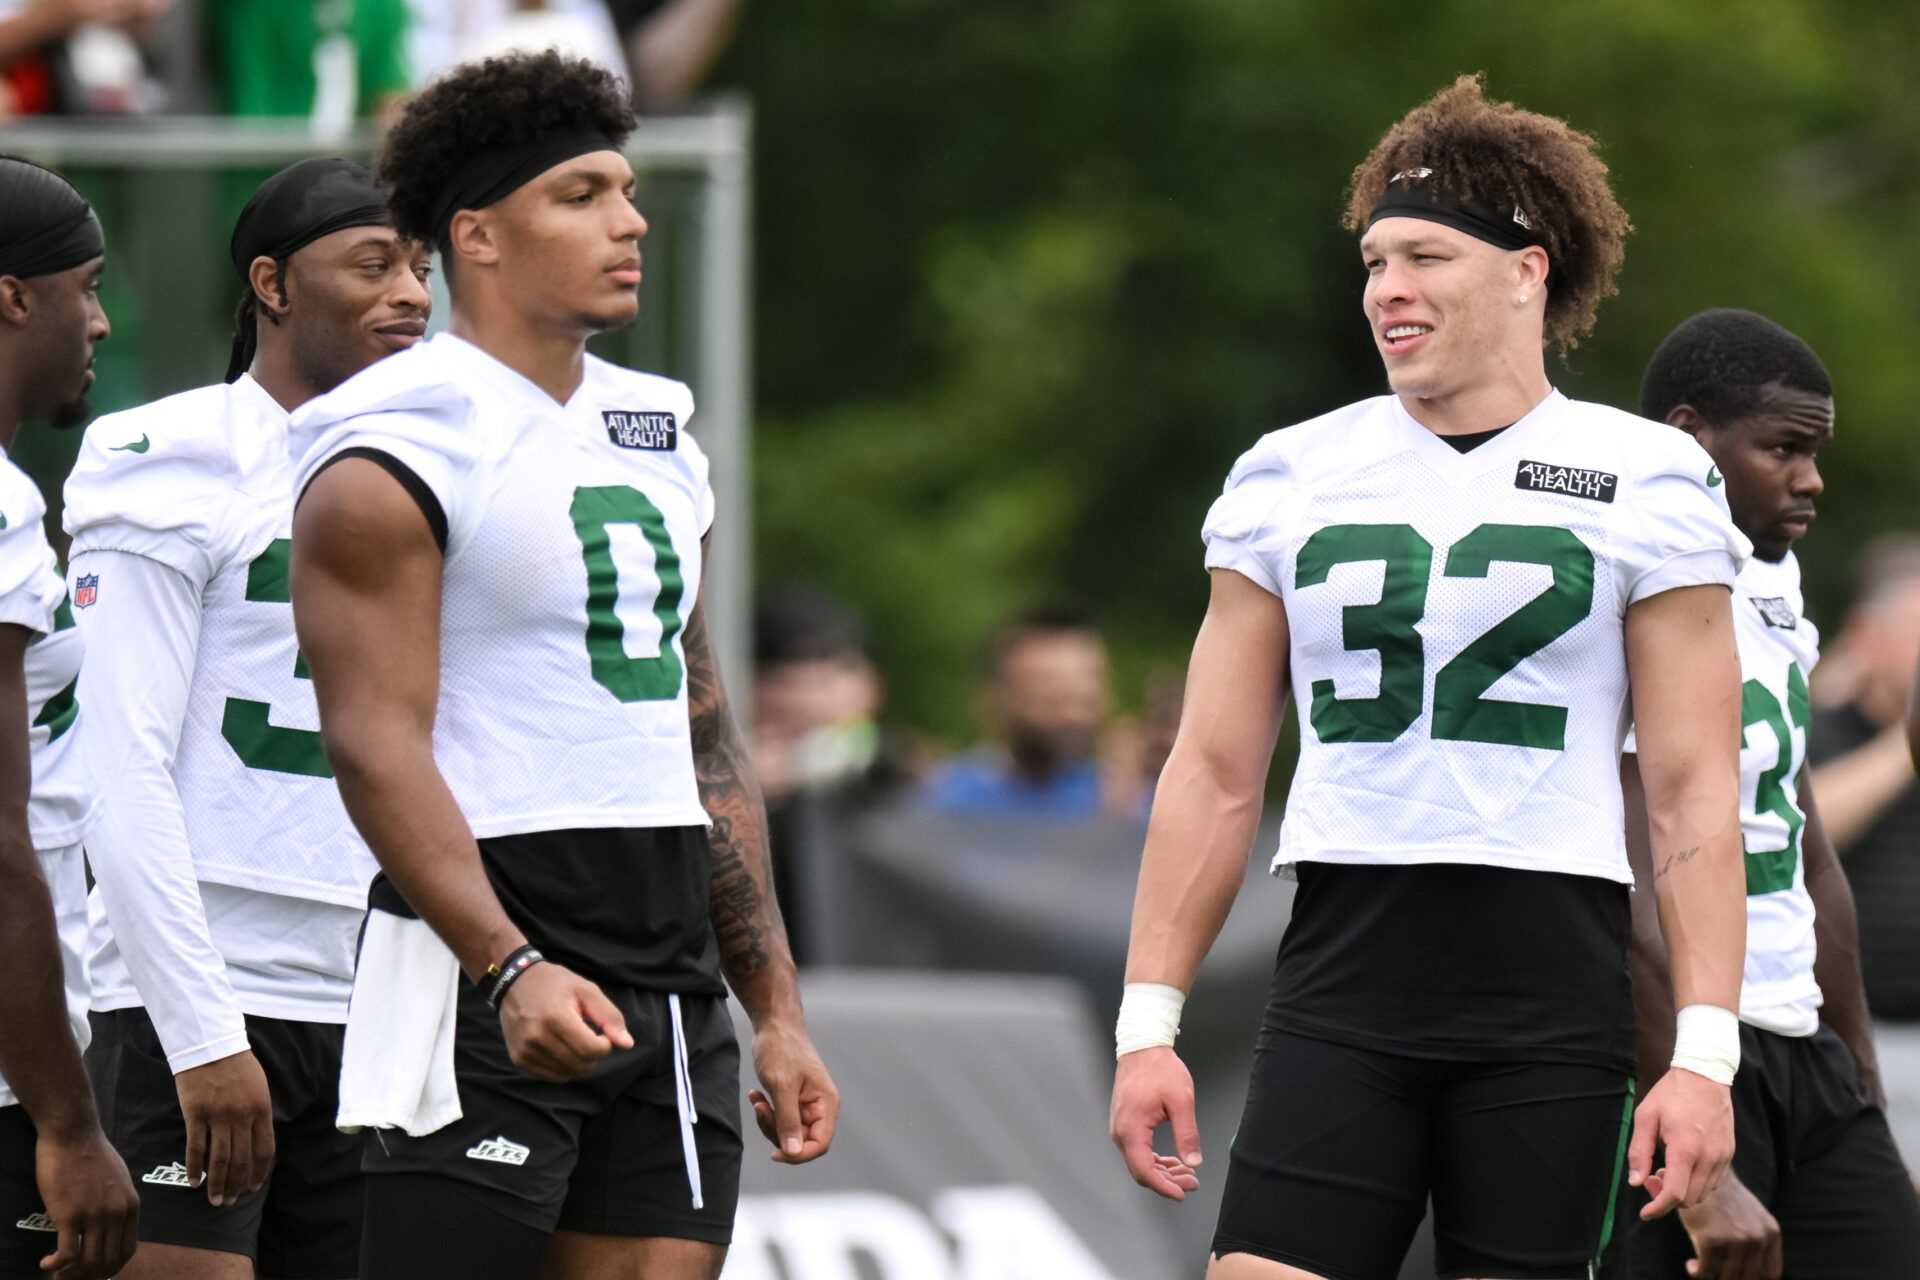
[1152,1086]
[91,1200]
[1692,1117]
[1734,1237]
[558,1024]
[229,1116]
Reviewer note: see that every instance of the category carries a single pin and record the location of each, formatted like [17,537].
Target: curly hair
[1498,154]
[1722,361]
[483,107]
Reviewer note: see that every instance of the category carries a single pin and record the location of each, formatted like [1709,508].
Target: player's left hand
[1733,1235]
[799,1106]
[1692,1117]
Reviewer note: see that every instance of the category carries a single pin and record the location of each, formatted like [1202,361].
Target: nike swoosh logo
[138,446]
[1714,477]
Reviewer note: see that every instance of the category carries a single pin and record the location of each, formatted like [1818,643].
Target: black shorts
[26,1233]
[1814,1149]
[602,1154]
[1341,1147]
[305,1223]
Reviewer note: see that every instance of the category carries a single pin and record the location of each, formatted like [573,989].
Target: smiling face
[1443,305]
[1768,458]
[566,246]
[354,296]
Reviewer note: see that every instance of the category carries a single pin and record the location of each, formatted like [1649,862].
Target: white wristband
[1706,1041]
[1149,1017]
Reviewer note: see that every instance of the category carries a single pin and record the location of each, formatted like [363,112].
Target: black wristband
[510,969]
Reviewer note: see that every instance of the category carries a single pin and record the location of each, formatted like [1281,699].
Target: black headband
[494,177]
[292,209]
[45,225]
[1410,195]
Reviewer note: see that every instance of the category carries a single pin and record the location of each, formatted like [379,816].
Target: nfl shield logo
[86,589]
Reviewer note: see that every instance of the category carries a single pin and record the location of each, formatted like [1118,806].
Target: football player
[1463,579]
[230,885]
[64,1195]
[1817,1185]
[498,554]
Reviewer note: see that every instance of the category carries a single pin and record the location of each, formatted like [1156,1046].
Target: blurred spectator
[1136,752]
[1045,700]
[818,747]
[816,700]
[76,56]
[330,61]
[664,48]
[446,32]
[671,45]
[1870,805]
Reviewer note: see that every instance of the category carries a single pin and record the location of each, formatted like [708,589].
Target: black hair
[794,623]
[1060,617]
[1721,362]
[482,108]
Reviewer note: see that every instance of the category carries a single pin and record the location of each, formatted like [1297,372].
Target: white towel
[397,1069]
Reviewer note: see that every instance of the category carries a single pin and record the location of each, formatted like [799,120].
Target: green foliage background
[1032,273]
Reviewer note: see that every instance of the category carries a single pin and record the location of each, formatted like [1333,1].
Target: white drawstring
[683,1101]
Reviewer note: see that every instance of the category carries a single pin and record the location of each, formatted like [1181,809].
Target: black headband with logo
[1410,195]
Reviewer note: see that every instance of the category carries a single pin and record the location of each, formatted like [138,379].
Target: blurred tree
[1031,275]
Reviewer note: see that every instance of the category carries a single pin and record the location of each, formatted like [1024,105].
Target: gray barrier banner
[972,1143]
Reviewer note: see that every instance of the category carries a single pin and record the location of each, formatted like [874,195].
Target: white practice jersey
[59,806]
[1779,647]
[573,561]
[1457,622]
[202,482]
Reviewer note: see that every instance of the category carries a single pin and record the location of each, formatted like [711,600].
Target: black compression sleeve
[409,479]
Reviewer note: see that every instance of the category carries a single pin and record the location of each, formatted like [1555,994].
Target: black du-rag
[296,206]
[45,225]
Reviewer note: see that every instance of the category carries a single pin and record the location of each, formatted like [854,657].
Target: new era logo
[499,1151]
[168,1175]
[1776,612]
[634,430]
[1575,482]
[36,1222]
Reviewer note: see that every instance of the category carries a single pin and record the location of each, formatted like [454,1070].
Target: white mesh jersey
[61,803]
[203,483]
[34,595]
[573,560]
[1457,622]
[1778,650]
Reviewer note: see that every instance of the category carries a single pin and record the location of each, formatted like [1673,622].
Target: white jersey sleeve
[26,560]
[1247,524]
[1682,532]
[157,482]
[142,625]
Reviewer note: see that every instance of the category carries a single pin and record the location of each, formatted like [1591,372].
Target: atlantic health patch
[1776,612]
[1575,482]
[632,429]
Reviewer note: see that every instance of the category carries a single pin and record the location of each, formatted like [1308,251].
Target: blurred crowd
[329,61]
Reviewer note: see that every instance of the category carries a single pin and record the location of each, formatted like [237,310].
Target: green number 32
[1771,870]
[1461,710]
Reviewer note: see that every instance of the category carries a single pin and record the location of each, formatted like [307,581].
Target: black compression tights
[419,1227]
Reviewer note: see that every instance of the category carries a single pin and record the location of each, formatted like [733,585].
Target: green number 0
[244,724]
[1390,628]
[1771,870]
[655,679]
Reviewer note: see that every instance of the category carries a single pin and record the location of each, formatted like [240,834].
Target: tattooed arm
[799,1107]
